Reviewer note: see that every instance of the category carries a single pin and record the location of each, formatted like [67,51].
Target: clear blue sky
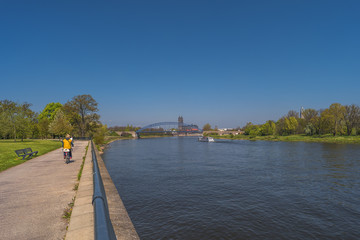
[222,62]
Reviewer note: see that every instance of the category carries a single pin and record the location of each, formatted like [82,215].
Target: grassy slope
[8,157]
[299,138]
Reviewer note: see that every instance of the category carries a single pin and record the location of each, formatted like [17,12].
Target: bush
[113,133]
[124,134]
[310,130]
[99,136]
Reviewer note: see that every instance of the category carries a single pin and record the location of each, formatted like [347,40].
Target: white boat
[206,139]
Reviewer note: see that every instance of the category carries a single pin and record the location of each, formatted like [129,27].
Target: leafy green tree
[291,125]
[25,118]
[280,127]
[207,127]
[268,128]
[254,131]
[49,111]
[332,120]
[81,111]
[16,119]
[99,136]
[327,122]
[247,128]
[286,126]
[8,111]
[310,130]
[43,127]
[60,126]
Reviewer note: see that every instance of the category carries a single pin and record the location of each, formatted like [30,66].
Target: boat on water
[206,139]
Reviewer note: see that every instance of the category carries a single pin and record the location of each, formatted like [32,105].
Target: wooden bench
[26,152]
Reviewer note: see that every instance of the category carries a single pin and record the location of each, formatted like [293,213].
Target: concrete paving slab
[33,195]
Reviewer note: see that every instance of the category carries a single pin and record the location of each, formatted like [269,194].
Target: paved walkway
[33,195]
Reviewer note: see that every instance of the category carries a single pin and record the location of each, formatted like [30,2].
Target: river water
[178,188]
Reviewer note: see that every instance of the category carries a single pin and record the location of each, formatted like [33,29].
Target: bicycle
[67,155]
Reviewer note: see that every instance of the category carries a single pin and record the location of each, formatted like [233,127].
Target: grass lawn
[297,138]
[8,157]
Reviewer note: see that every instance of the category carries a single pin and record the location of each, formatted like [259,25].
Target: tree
[310,114]
[291,125]
[326,122]
[25,120]
[50,111]
[310,130]
[16,119]
[8,111]
[268,128]
[292,113]
[286,126]
[207,127]
[81,111]
[99,135]
[337,111]
[251,129]
[60,125]
[351,117]
[254,130]
[247,128]
[43,127]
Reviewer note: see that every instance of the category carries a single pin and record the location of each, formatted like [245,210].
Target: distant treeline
[335,120]
[76,117]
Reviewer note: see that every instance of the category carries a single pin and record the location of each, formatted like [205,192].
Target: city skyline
[223,63]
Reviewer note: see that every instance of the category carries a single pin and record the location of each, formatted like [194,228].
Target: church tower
[302,113]
[180,123]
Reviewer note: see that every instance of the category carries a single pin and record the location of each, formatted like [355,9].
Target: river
[179,188]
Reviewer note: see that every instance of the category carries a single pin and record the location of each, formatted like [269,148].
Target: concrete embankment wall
[82,219]
[122,224]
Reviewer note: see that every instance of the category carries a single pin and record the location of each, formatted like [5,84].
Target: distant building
[180,123]
[302,113]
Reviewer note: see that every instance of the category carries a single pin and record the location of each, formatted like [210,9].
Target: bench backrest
[20,151]
[28,150]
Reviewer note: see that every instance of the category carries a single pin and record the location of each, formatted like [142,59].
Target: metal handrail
[102,224]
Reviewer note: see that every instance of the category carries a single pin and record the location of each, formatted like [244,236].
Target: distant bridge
[170,128]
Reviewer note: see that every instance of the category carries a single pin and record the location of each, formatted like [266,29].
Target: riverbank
[295,138]
[110,139]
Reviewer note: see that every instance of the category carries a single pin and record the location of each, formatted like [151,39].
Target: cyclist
[67,143]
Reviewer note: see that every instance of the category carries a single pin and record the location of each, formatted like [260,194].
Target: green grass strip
[8,157]
[82,164]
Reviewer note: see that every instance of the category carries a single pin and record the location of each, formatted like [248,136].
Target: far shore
[295,138]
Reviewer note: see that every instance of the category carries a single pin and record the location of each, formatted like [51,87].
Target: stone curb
[122,224]
[81,226]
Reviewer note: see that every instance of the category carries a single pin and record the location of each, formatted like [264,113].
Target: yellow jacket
[67,143]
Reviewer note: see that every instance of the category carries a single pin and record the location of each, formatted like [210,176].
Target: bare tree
[292,113]
[309,114]
[351,117]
